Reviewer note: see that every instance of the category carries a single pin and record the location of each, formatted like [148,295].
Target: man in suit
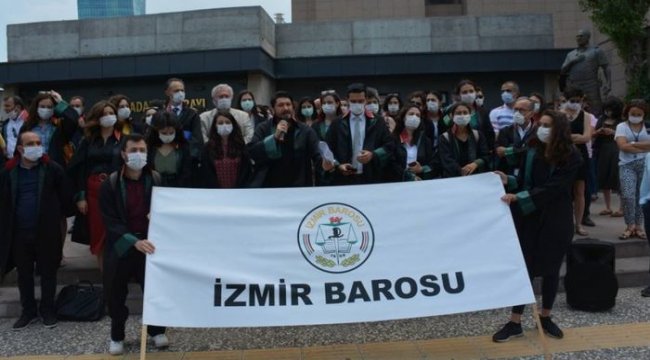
[361,143]
[189,119]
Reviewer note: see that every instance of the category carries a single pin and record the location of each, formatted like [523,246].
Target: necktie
[177,110]
[356,143]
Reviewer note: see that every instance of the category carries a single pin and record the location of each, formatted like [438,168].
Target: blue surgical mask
[307,112]
[507,97]
[247,105]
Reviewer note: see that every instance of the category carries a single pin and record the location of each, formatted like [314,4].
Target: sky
[28,11]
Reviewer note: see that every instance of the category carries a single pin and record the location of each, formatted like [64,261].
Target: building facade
[246,48]
[94,9]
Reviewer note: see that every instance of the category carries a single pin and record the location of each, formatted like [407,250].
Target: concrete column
[262,86]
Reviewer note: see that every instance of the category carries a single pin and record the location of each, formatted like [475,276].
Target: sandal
[626,234]
[617,214]
[606,212]
[640,234]
[580,231]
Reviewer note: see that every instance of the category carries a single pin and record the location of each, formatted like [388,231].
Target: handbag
[80,302]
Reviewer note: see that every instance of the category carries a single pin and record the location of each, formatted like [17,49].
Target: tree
[623,21]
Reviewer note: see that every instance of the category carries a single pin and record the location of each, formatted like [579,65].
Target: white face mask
[356,109]
[45,113]
[412,122]
[462,120]
[79,110]
[166,139]
[393,108]
[574,106]
[537,107]
[433,106]
[136,161]
[329,109]
[635,119]
[544,134]
[518,118]
[124,113]
[178,97]
[479,101]
[468,98]
[107,121]
[148,119]
[223,104]
[33,153]
[224,129]
[247,105]
[12,114]
[373,108]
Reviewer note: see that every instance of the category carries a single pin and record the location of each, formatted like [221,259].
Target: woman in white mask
[633,142]
[433,126]
[540,200]
[225,162]
[466,92]
[124,115]
[97,157]
[392,105]
[414,152]
[168,150]
[56,122]
[539,105]
[581,134]
[246,102]
[463,151]
[330,112]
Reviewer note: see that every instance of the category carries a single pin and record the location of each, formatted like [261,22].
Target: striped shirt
[501,117]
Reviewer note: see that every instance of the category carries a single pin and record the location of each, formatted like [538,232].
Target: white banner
[304,256]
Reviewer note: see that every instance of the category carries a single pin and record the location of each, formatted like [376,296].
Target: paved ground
[616,334]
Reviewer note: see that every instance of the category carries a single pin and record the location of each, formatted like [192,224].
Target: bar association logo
[336,238]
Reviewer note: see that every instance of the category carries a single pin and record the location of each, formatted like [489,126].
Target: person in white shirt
[502,116]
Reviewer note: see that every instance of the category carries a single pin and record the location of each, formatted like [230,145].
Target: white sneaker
[160,341]
[116,347]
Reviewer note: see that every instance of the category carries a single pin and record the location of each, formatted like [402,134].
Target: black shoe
[550,328]
[586,221]
[646,292]
[24,321]
[49,320]
[510,330]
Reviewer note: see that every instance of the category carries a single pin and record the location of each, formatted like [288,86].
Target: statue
[581,70]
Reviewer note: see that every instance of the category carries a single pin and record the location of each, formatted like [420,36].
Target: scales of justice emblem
[337,243]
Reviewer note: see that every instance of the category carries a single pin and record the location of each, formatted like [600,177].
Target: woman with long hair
[225,162]
[540,199]
[463,150]
[97,157]
[414,152]
[168,150]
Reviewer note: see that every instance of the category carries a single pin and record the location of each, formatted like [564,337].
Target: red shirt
[137,207]
[227,172]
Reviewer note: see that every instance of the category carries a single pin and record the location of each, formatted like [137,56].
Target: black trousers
[550,285]
[26,254]
[131,265]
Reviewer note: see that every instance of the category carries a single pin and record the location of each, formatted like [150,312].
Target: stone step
[631,272]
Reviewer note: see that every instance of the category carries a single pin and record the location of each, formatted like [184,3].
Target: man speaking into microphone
[284,149]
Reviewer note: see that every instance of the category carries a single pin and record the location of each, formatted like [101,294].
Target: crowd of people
[99,164]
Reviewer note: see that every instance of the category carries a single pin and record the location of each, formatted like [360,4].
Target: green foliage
[623,21]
